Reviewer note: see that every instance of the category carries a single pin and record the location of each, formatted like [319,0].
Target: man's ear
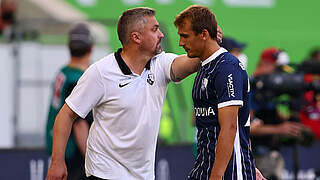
[205,34]
[136,37]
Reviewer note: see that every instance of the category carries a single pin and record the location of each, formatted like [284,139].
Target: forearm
[227,117]
[223,152]
[264,130]
[183,66]
[80,132]
[61,132]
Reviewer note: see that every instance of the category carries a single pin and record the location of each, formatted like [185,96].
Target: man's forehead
[184,26]
[152,20]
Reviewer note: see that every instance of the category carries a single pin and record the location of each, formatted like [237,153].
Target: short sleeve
[229,85]
[166,60]
[87,93]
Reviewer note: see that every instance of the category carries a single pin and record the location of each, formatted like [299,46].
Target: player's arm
[227,117]
[258,128]
[80,128]
[80,132]
[61,132]
[183,66]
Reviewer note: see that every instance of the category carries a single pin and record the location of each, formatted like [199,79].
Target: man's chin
[191,56]
[157,51]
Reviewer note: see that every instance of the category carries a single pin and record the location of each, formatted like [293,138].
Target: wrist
[57,159]
[279,129]
[215,177]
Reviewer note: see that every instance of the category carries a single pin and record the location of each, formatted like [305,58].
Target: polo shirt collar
[214,55]
[123,66]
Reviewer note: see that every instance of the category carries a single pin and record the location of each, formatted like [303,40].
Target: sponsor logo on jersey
[150,79]
[202,111]
[230,86]
[204,84]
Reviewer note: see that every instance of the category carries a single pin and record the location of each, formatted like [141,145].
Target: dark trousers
[95,178]
[75,166]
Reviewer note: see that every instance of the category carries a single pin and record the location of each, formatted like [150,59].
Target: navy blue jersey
[222,81]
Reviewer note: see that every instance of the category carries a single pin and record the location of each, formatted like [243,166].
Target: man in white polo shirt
[126,91]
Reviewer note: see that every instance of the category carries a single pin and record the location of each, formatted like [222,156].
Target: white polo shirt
[127,110]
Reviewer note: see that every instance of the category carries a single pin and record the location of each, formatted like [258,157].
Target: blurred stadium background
[33,49]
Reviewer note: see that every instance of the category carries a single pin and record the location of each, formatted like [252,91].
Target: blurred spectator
[315,54]
[236,49]
[80,46]
[311,65]
[267,123]
[310,114]
[7,14]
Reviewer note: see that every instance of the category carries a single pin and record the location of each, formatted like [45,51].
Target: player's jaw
[189,52]
[158,48]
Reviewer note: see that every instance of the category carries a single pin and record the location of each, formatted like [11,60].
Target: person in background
[80,45]
[267,122]
[315,54]
[235,48]
[8,9]
[310,113]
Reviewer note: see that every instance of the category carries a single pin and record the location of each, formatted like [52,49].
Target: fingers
[255,124]
[57,172]
[292,128]
[219,35]
[259,175]
[64,177]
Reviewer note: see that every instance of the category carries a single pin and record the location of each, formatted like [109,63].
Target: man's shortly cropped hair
[132,20]
[80,40]
[200,17]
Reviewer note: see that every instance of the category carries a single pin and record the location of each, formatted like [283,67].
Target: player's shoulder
[106,59]
[230,61]
[162,60]
[69,74]
[105,63]
[164,55]
[228,58]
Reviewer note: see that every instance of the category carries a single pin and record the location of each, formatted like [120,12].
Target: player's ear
[205,34]
[136,37]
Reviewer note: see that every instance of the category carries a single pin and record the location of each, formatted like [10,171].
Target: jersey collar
[123,66]
[213,56]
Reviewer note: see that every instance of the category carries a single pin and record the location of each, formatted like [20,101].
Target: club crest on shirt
[150,79]
[204,83]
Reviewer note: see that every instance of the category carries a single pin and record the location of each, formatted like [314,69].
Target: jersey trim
[214,56]
[238,154]
[123,66]
[74,109]
[230,103]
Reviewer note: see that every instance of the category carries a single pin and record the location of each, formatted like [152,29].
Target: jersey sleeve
[166,62]
[87,93]
[229,85]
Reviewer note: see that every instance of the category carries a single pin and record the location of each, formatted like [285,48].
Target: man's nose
[161,35]
[181,42]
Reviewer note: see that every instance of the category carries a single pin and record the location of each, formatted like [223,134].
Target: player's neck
[210,48]
[135,59]
[79,62]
